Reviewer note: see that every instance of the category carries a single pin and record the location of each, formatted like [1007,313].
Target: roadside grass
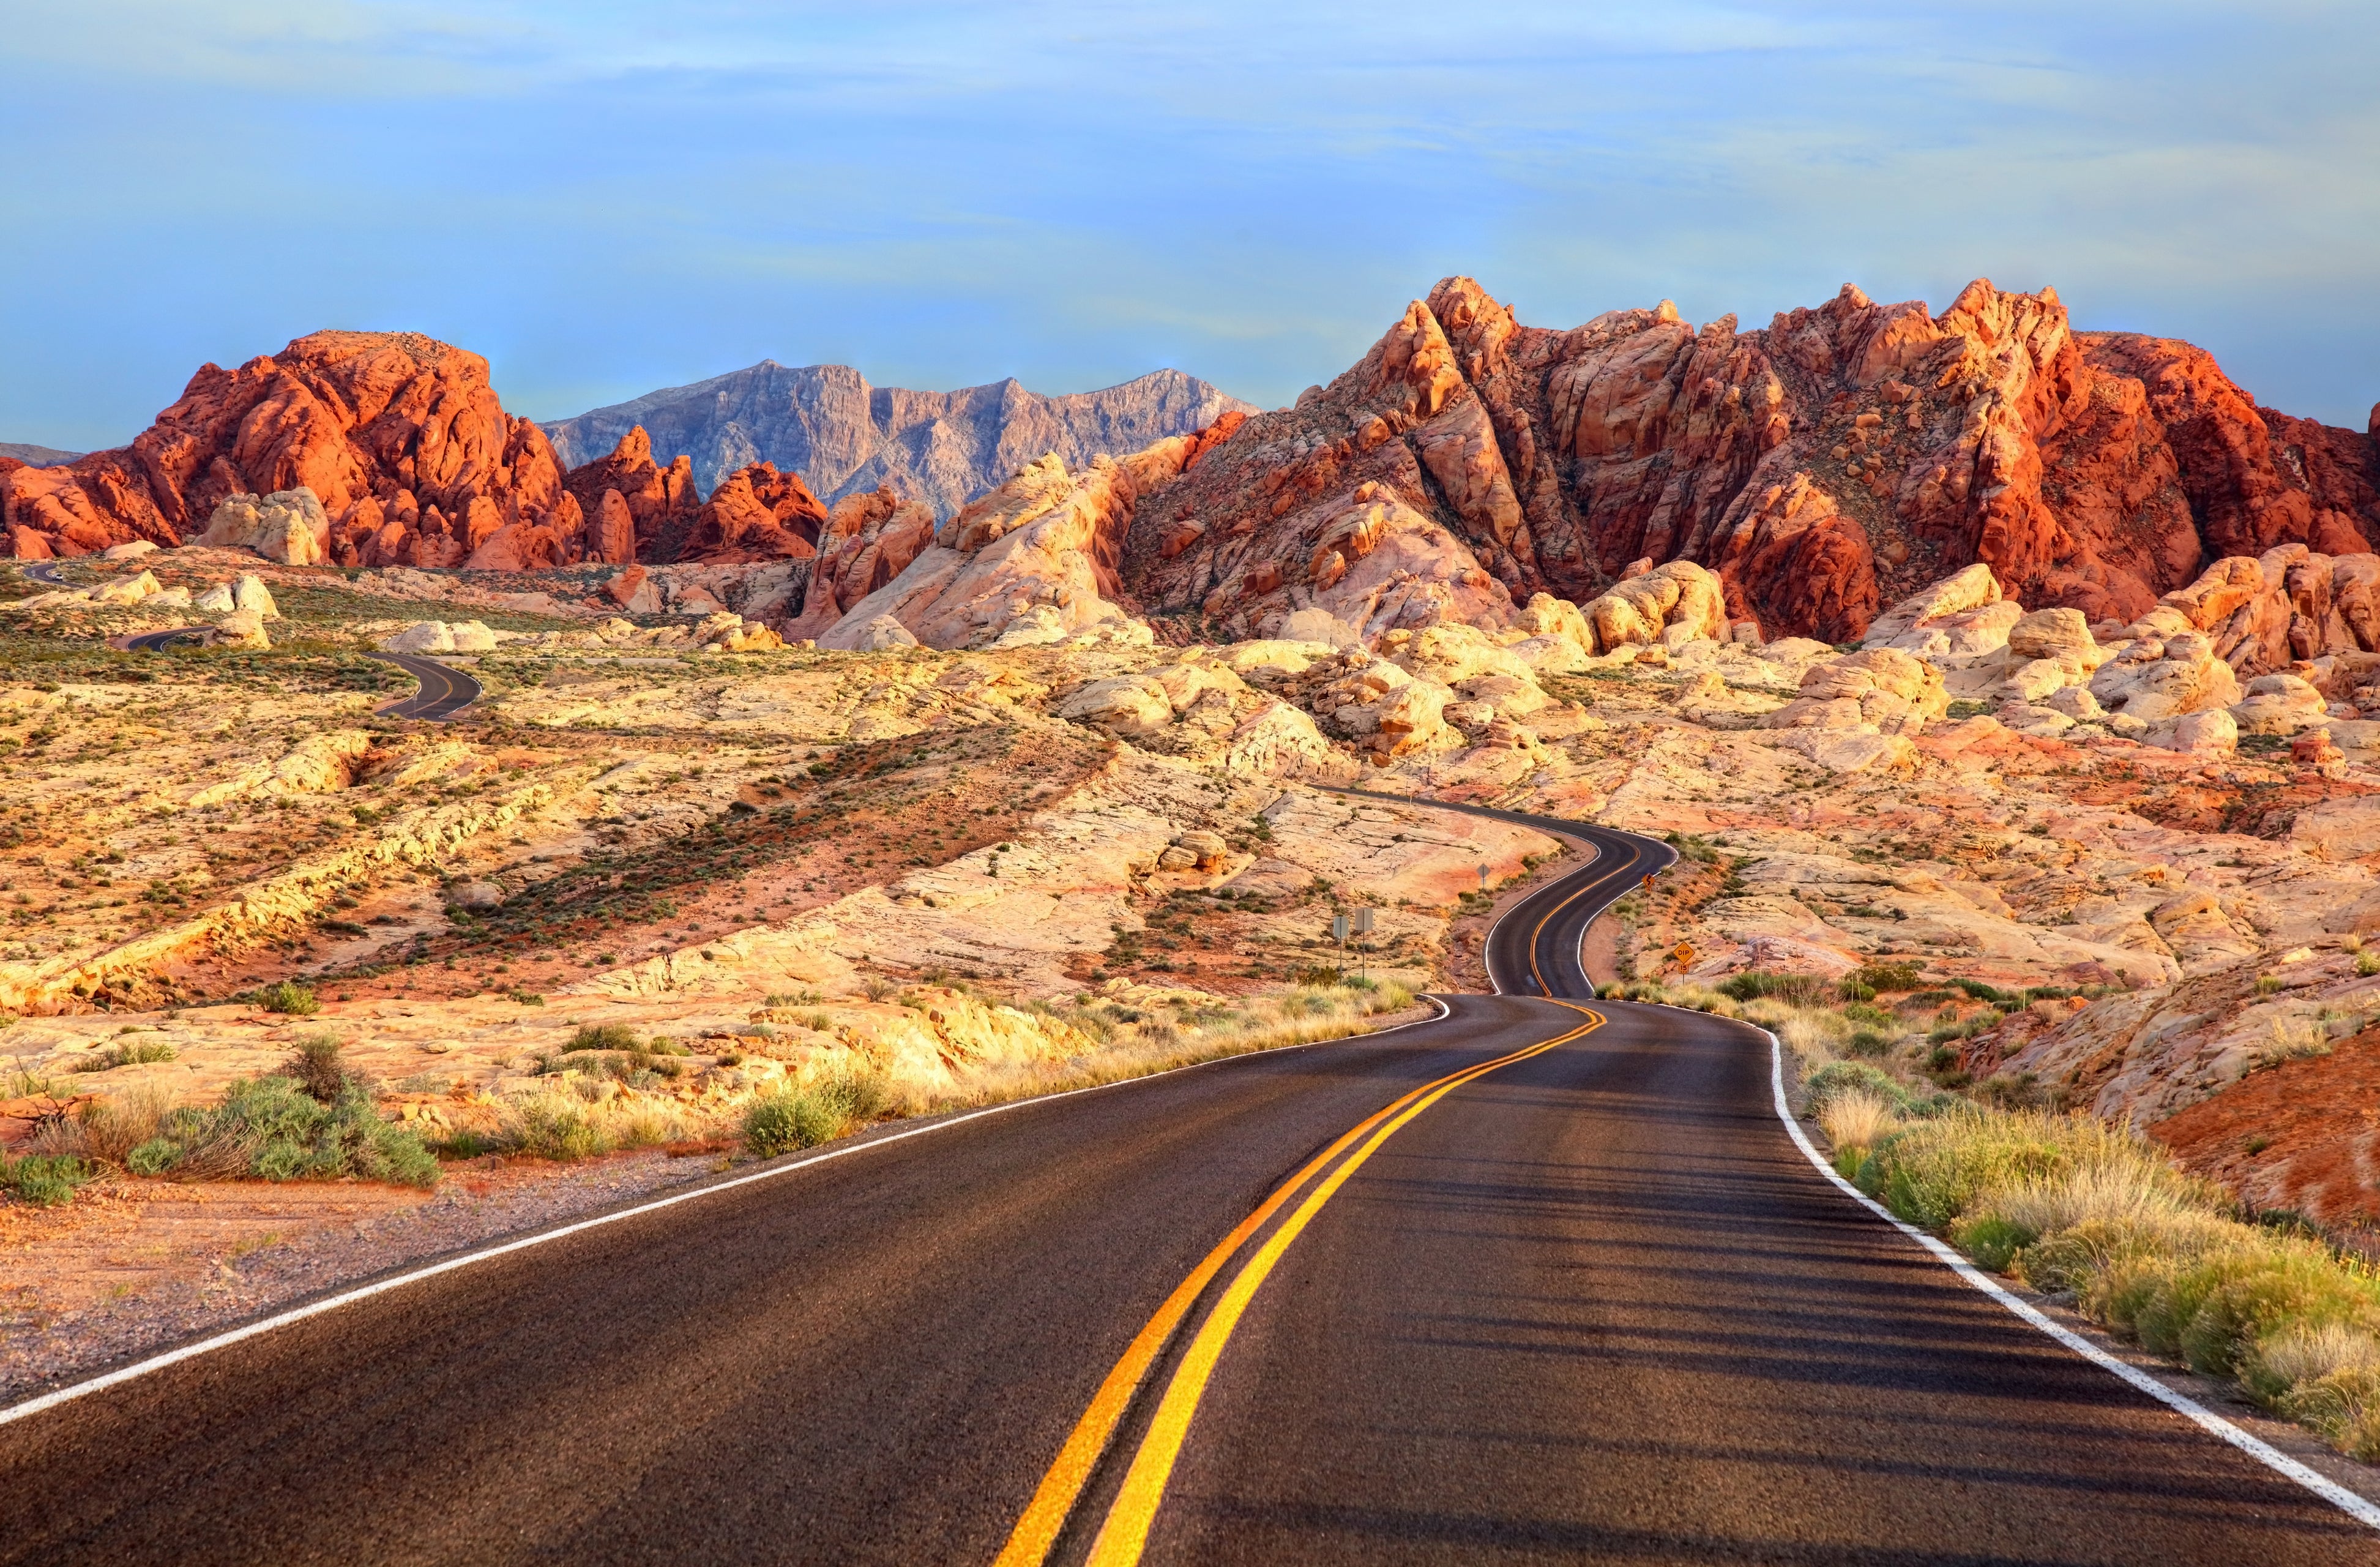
[1142,1044]
[2088,1212]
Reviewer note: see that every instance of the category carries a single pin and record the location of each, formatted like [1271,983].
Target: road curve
[1520,1301]
[158,641]
[1533,950]
[444,692]
[43,572]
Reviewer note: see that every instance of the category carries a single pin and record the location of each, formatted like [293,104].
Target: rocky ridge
[1833,461]
[846,437]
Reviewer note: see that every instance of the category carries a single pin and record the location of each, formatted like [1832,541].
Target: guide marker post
[1363,927]
[1338,923]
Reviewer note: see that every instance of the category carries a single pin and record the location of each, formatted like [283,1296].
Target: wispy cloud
[604,197]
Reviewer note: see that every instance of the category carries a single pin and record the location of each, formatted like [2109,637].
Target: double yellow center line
[1126,1530]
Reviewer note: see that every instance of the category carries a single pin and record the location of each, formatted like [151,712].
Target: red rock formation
[658,502]
[1838,458]
[866,541]
[401,436]
[755,514]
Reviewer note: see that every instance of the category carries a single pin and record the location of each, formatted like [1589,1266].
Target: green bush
[801,1118]
[272,1128]
[1795,989]
[290,997]
[45,1181]
[139,1054]
[603,1037]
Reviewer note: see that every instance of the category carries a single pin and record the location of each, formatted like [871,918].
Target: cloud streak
[604,198]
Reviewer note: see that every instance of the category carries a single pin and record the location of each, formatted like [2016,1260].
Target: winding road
[444,692]
[1537,1280]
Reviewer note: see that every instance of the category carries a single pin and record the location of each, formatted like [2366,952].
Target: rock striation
[847,437]
[1836,460]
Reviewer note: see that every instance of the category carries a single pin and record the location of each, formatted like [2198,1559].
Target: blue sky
[606,198]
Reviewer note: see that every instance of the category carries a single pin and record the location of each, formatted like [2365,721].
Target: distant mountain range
[36,457]
[842,435]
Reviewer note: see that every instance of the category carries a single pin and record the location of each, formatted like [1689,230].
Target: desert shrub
[271,1128]
[135,1053]
[113,1126]
[290,997]
[44,1181]
[603,1037]
[1842,1077]
[319,1066]
[1867,1043]
[1795,989]
[555,1126]
[1875,976]
[834,1104]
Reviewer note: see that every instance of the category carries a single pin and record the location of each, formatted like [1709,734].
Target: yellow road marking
[1545,991]
[1126,1530]
[1037,1529]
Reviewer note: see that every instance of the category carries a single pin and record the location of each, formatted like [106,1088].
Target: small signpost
[1483,878]
[1648,880]
[1356,924]
[1684,953]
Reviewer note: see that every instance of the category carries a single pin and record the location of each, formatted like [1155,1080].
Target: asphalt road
[158,641]
[1576,1302]
[444,692]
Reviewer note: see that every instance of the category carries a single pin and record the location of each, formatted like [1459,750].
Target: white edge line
[2338,1496]
[348,1297]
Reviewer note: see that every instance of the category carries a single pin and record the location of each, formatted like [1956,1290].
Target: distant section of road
[158,641]
[1534,949]
[43,572]
[444,692]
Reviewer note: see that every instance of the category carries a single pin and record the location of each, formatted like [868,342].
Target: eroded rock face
[1036,560]
[942,448]
[1837,459]
[401,439]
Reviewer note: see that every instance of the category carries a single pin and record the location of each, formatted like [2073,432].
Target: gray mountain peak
[842,435]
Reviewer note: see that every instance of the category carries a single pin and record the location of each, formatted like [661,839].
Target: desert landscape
[2010,695]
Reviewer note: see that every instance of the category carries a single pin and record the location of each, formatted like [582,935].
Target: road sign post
[1362,926]
[1338,923]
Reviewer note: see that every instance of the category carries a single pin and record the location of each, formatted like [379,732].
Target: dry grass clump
[1133,1043]
[2071,1204]
[582,1117]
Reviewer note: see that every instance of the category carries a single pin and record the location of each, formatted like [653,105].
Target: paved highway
[43,572]
[444,692]
[1532,1282]
[158,641]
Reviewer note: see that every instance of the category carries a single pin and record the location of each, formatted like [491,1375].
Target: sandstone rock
[2280,704]
[1679,596]
[132,552]
[217,599]
[2314,750]
[2059,634]
[471,637]
[1880,690]
[636,590]
[2025,719]
[395,434]
[241,628]
[2211,733]
[288,525]
[660,504]
[1046,540]
[421,637]
[176,598]
[1912,624]
[251,593]
[127,590]
[875,635]
[1558,459]
[2339,830]
[2153,679]
[476,895]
